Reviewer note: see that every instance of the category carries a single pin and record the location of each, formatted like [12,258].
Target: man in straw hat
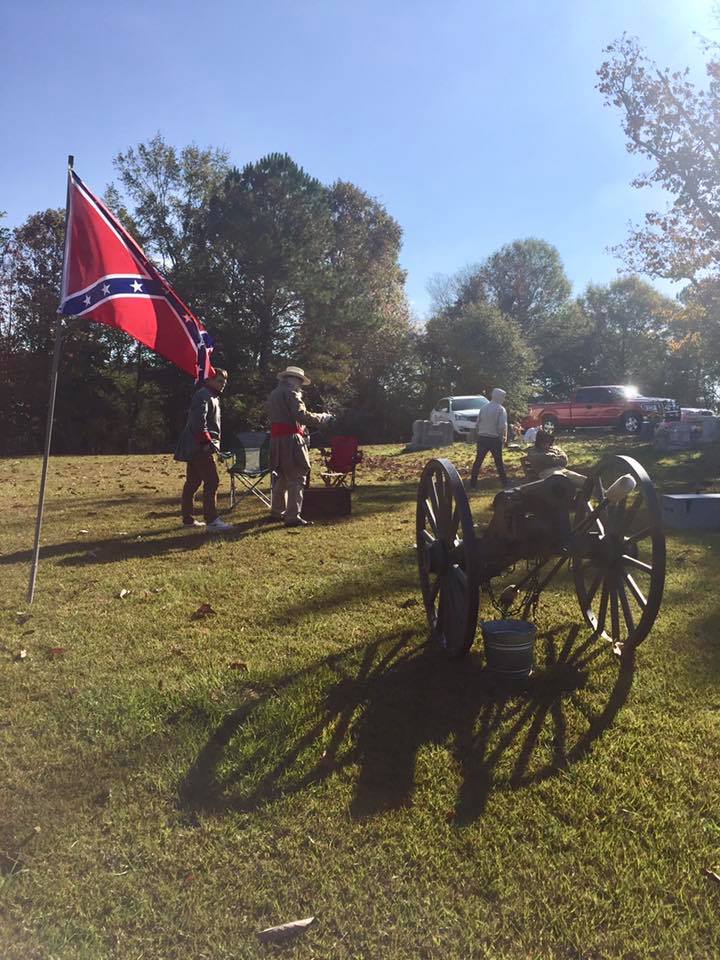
[288,446]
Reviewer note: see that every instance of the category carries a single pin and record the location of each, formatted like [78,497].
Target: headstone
[710,427]
[674,436]
[428,435]
[692,511]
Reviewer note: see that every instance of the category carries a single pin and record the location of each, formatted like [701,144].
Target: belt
[285,430]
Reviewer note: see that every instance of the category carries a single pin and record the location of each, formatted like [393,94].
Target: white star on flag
[137,287]
[86,300]
[106,289]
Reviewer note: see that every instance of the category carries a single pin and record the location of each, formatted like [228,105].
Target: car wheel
[632,423]
[549,424]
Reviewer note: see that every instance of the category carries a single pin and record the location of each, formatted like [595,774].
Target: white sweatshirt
[492,419]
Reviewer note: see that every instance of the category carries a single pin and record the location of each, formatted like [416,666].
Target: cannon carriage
[608,533]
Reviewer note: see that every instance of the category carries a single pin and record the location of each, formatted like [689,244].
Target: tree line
[283,268]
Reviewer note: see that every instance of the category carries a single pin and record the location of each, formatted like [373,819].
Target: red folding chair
[340,461]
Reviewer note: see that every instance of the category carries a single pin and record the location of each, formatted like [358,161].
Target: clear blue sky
[475,122]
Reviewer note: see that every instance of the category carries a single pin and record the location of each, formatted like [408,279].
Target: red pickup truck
[605,406]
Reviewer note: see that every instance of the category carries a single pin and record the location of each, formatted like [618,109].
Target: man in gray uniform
[197,446]
[288,446]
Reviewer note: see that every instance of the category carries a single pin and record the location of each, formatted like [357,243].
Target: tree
[474,350]
[525,280]
[673,124]
[629,333]
[693,363]
[357,331]
[265,244]
[168,191]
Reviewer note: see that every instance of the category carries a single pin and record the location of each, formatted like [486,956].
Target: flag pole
[54,370]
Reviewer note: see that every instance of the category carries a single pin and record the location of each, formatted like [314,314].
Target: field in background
[173,782]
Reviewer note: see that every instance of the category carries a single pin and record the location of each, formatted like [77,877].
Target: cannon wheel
[447,558]
[620,571]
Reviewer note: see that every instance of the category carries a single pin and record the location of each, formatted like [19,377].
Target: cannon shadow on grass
[369,713]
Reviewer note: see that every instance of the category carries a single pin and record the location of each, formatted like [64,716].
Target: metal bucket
[509,647]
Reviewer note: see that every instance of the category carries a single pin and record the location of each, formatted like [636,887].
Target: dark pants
[487,445]
[201,471]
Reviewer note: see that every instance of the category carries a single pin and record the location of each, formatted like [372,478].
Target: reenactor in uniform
[289,456]
[197,447]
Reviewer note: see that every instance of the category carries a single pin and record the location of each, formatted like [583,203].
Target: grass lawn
[171,784]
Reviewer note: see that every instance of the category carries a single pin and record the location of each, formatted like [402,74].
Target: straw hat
[295,372]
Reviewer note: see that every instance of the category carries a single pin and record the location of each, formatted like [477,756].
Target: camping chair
[340,460]
[249,463]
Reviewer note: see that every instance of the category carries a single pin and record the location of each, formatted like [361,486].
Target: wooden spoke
[636,591]
[447,552]
[632,512]
[609,596]
[640,535]
[431,518]
[594,588]
[602,612]
[615,616]
[426,538]
[434,590]
[627,612]
[638,564]
[455,522]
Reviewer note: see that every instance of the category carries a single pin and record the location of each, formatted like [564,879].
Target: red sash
[285,429]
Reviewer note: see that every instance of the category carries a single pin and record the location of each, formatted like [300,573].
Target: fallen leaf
[286,930]
[178,651]
[123,593]
[238,665]
[204,610]
[712,874]
[57,652]
[83,531]
[412,602]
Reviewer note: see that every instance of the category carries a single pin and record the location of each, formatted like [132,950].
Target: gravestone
[428,435]
[691,511]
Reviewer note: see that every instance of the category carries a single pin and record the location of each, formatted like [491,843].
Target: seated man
[545,459]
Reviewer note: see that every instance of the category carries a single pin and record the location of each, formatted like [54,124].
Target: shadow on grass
[371,711]
[147,544]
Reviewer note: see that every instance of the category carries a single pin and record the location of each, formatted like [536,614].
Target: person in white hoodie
[492,426]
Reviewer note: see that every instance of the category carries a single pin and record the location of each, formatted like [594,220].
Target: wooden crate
[326,503]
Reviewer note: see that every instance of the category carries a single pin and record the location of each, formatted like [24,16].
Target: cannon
[607,533]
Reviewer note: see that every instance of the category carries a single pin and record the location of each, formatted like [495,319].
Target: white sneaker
[218,524]
[194,523]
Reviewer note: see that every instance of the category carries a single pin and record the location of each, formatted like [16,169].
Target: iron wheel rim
[447,558]
[619,580]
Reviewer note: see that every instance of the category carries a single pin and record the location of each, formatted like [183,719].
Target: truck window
[587,395]
[443,405]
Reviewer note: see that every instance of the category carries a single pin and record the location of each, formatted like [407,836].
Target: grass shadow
[373,710]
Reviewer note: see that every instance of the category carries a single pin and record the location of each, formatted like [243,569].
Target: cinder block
[692,511]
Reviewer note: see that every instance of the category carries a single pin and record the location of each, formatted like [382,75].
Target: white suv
[461,412]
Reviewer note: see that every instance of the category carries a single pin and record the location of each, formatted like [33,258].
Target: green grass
[158,801]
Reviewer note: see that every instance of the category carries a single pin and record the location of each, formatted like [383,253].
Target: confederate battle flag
[108,279]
